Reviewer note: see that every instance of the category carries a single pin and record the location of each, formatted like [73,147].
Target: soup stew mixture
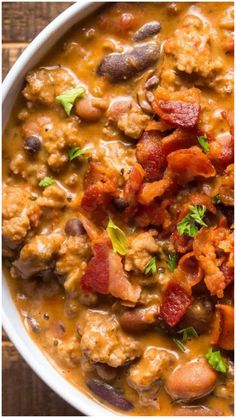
[118,207]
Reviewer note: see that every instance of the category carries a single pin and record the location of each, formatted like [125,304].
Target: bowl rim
[14,328]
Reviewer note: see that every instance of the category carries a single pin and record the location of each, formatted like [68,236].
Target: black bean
[198,315]
[229,213]
[147,30]
[110,394]
[120,204]
[152,82]
[36,328]
[74,227]
[32,144]
[122,66]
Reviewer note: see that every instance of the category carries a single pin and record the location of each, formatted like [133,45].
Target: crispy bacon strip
[151,156]
[186,165]
[100,186]
[178,139]
[182,243]
[223,328]
[134,183]
[175,302]
[105,274]
[179,109]
[149,191]
[190,269]
[221,151]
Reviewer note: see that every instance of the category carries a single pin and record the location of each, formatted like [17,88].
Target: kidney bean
[123,66]
[147,30]
[110,394]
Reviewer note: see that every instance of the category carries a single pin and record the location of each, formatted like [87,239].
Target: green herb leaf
[215,359]
[197,214]
[117,237]
[204,143]
[68,97]
[179,344]
[187,226]
[172,261]
[187,333]
[216,200]
[46,181]
[151,267]
[75,152]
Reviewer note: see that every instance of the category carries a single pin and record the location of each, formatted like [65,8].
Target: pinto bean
[90,109]
[123,66]
[192,380]
[74,227]
[138,320]
[105,372]
[32,144]
[147,30]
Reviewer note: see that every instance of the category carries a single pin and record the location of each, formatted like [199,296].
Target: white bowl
[10,316]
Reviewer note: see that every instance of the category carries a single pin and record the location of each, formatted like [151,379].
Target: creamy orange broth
[81,50]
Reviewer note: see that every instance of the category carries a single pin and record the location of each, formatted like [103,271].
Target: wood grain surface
[23,393]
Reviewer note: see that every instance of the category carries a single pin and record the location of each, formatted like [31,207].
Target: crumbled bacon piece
[151,156]
[186,165]
[182,243]
[149,191]
[179,109]
[178,114]
[105,274]
[134,183]
[178,139]
[100,186]
[221,151]
[154,214]
[223,327]
[175,302]
[213,247]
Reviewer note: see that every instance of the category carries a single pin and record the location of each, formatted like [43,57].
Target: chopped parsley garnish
[151,267]
[117,237]
[46,181]
[179,344]
[75,152]
[189,224]
[172,261]
[187,333]
[204,143]
[68,97]
[216,360]
[216,200]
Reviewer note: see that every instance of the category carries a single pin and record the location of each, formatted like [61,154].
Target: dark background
[23,393]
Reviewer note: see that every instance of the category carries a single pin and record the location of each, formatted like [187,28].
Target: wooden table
[24,394]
